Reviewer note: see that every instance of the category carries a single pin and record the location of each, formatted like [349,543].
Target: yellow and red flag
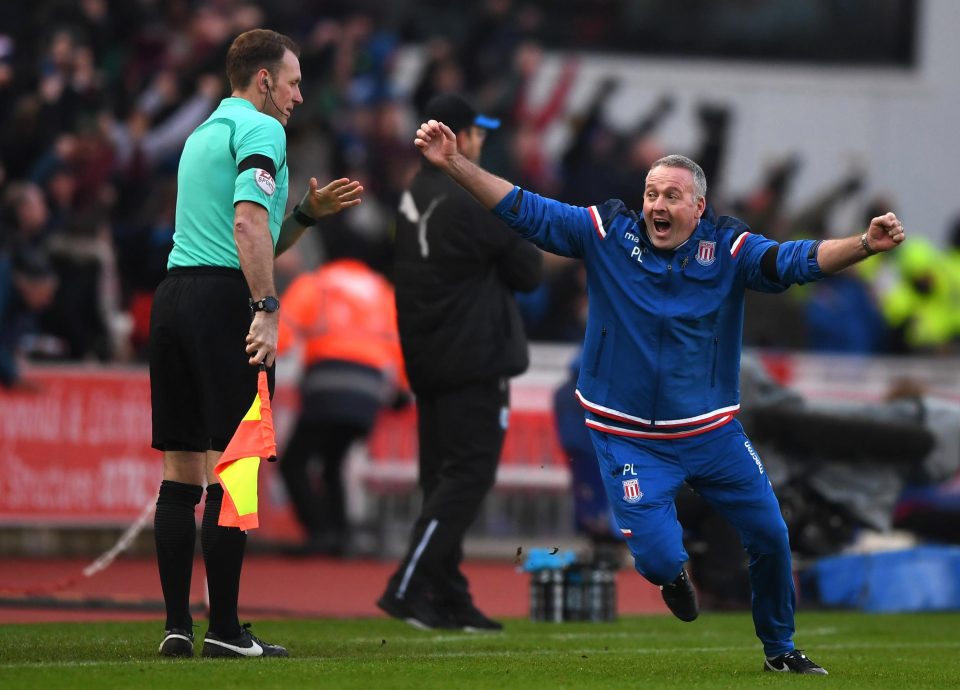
[237,470]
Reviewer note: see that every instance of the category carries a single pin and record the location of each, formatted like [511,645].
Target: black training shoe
[469,618]
[793,662]
[177,642]
[681,598]
[246,644]
[417,611]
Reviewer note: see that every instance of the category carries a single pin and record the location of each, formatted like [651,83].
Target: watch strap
[302,218]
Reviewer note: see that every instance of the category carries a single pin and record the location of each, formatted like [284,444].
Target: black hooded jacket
[455,271]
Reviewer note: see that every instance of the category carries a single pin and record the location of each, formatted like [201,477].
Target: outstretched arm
[551,225]
[438,144]
[316,203]
[885,233]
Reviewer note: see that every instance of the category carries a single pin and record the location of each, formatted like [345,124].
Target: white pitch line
[518,653]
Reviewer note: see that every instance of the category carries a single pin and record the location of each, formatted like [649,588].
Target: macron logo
[753,454]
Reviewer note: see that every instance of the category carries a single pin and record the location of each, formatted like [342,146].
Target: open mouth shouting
[661,227]
[660,232]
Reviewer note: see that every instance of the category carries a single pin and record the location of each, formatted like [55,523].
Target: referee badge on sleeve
[264,181]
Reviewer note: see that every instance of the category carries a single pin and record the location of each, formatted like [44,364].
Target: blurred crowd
[98,96]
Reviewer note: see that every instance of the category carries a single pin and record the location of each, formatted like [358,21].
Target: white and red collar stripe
[597,222]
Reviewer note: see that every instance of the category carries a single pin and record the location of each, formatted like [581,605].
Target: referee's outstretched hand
[333,198]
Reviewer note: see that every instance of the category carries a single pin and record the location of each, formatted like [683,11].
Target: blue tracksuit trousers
[642,476]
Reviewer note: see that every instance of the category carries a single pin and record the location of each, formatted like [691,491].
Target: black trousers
[461,435]
[339,405]
[321,510]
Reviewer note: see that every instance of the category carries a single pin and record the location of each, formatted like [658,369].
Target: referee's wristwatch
[268,304]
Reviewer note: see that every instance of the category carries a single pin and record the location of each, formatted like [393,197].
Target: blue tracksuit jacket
[661,360]
[664,331]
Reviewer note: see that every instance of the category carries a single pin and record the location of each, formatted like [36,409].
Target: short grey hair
[675,160]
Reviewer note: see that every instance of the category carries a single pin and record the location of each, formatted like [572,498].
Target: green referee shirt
[236,137]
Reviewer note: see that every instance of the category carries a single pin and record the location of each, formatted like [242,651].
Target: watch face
[268,304]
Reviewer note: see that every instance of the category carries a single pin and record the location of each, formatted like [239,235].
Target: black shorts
[201,383]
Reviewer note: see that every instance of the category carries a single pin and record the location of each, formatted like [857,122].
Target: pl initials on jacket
[664,333]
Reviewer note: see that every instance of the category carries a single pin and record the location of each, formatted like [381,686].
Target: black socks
[175,536]
[223,549]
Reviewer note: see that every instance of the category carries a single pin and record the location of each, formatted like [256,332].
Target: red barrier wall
[77,452]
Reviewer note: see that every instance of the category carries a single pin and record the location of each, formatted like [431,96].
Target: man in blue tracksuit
[661,362]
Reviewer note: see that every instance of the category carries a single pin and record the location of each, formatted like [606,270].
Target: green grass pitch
[651,652]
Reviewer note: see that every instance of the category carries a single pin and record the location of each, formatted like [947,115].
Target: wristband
[866,245]
[302,218]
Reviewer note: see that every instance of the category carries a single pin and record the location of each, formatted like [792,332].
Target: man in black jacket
[462,338]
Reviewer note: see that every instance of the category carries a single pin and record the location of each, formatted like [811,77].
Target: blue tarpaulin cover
[925,578]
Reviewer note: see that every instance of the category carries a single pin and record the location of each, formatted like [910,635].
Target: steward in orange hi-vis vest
[343,318]
[344,311]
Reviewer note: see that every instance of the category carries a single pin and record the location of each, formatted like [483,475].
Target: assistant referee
[215,321]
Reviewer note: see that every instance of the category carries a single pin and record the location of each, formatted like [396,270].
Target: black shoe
[793,662]
[177,642]
[417,611]
[681,598]
[246,644]
[469,618]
